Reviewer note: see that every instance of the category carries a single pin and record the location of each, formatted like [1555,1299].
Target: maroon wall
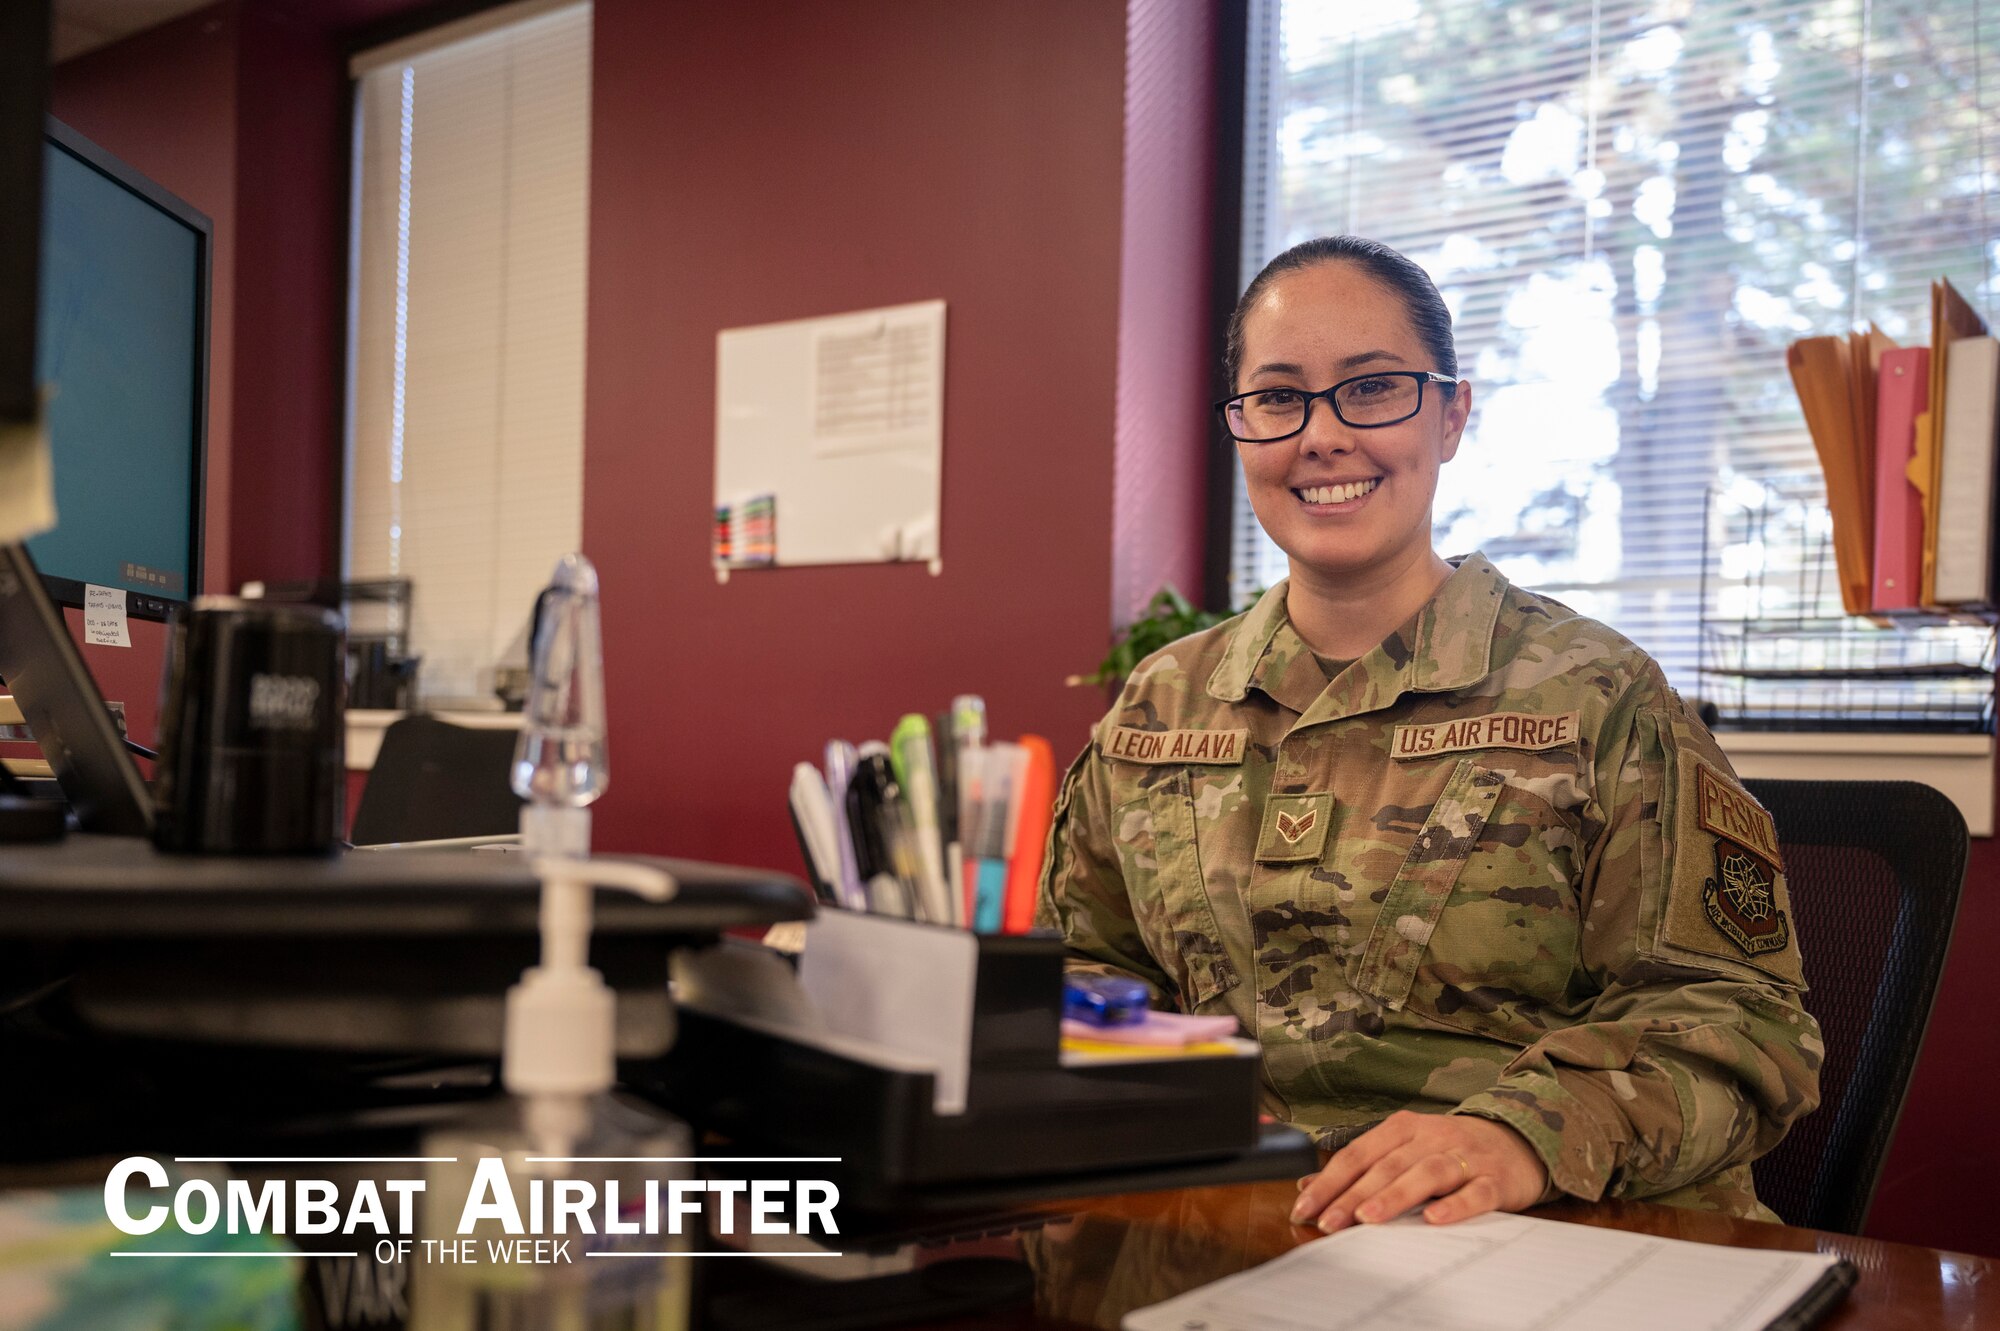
[291,246]
[848,156]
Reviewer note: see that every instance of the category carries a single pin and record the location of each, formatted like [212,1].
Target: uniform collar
[1446,645]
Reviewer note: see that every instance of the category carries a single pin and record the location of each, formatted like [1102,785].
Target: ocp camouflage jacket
[1494,867]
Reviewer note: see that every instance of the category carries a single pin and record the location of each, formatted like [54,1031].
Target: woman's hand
[1472,1165]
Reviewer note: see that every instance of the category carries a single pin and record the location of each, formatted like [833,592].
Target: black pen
[895,827]
[874,858]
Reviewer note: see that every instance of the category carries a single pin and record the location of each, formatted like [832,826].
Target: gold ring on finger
[1463,1167]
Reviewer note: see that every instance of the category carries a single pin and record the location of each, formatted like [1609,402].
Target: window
[1631,207]
[465,448]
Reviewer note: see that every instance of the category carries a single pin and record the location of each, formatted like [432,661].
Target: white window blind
[1631,207]
[465,447]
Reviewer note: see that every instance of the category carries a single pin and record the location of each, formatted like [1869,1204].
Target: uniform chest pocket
[1387,965]
[1155,834]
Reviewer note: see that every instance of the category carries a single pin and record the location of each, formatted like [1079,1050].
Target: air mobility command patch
[1742,903]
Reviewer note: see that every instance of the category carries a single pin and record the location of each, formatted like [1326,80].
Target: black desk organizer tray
[1028,1121]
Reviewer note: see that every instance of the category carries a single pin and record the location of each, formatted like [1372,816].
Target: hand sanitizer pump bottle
[519,1194]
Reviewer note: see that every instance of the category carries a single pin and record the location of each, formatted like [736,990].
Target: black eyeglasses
[1366,402]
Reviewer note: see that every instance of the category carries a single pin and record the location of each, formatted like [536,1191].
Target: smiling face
[1344,502]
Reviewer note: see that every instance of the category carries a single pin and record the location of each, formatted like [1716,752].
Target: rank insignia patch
[1295,828]
[1742,904]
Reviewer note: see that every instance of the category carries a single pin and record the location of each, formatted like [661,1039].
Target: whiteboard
[841,421]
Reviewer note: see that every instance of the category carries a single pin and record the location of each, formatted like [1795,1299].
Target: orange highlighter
[1035,804]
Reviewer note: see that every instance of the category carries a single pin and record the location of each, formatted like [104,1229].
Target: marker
[946,751]
[968,720]
[1034,811]
[999,764]
[968,738]
[910,747]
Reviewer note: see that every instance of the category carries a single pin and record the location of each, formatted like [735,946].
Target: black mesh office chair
[433,779]
[1874,869]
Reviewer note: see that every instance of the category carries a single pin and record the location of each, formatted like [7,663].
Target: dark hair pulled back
[1428,314]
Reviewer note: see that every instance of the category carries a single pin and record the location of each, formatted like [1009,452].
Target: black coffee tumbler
[252,730]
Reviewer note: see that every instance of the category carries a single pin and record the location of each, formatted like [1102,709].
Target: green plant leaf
[1168,616]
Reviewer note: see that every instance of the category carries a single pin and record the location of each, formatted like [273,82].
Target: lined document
[1498,1273]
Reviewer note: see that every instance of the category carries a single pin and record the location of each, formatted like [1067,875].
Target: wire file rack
[1778,652]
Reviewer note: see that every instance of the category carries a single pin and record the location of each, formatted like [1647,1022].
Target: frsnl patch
[1741,901]
[1176,746]
[1726,809]
[1497,730]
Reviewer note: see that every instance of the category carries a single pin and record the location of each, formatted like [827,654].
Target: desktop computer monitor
[122,342]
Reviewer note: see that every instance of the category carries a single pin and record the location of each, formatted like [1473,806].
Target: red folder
[1903,393]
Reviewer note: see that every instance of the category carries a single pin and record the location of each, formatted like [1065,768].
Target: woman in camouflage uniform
[1487,894]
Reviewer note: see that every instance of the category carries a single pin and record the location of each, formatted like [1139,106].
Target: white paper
[104,616]
[1497,1273]
[878,381]
[900,984]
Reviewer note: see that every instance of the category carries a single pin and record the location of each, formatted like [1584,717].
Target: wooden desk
[1096,1260]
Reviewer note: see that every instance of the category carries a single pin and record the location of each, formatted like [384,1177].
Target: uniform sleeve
[1083,894]
[1697,1054]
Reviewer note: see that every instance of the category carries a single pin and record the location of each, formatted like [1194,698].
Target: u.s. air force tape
[1175,746]
[1497,730]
